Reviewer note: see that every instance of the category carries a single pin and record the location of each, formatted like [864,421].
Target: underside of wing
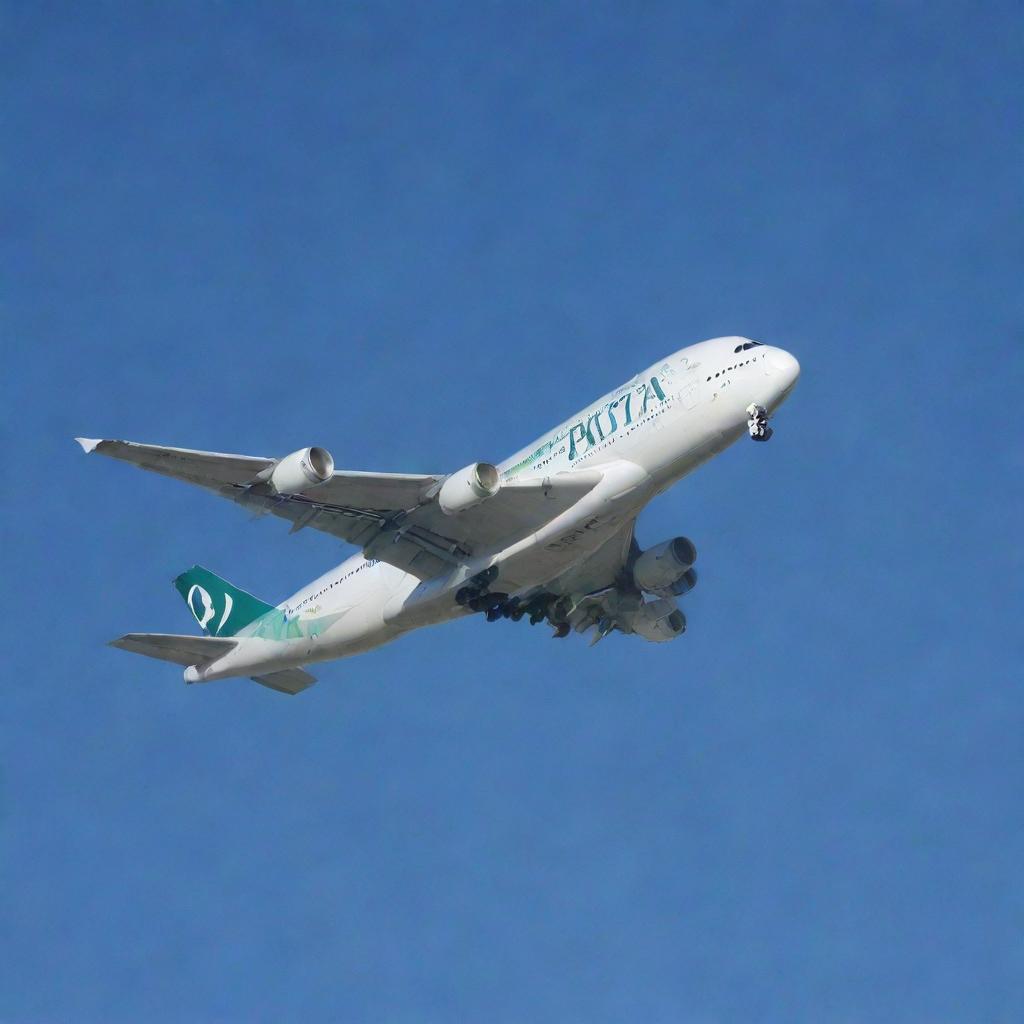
[602,570]
[591,591]
[601,594]
[419,537]
[206,469]
[223,473]
[353,506]
[394,517]
[517,509]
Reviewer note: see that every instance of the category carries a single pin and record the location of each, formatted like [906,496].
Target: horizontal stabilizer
[182,650]
[289,680]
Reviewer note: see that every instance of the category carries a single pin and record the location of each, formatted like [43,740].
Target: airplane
[548,534]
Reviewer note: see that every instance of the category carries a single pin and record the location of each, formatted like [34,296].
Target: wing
[222,473]
[391,516]
[602,569]
[595,591]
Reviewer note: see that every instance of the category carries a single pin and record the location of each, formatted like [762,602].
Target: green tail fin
[220,608]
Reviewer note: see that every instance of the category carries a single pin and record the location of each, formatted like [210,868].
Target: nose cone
[785,371]
[785,366]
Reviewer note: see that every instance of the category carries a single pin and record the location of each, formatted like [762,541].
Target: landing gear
[477,598]
[757,422]
[536,608]
[476,589]
[488,603]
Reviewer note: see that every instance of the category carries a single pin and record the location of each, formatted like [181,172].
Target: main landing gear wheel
[474,594]
[757,422]
[561,630]
[488,603]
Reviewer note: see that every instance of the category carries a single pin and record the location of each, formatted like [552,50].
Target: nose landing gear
[757,422]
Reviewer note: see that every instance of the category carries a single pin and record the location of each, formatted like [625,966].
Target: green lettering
[611,416]
[572,439]
[629,400]
[654,386]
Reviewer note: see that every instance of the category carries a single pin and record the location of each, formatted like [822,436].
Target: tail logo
[201,605]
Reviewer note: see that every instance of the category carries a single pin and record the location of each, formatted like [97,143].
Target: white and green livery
[547,535]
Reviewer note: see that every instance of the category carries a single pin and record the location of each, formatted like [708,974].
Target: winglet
[89,444]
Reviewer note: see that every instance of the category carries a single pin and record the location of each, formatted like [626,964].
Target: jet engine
[685,583]
[477,482]
[300,471]
[658,621]
[658,568]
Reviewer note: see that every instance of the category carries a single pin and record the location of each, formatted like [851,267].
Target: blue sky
[421,235]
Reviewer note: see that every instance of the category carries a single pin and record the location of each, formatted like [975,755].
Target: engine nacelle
[477,482]
[661,566]
[658,621]
[685,583]
[300,471]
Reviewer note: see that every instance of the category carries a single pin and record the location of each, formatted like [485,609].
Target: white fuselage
[643,436]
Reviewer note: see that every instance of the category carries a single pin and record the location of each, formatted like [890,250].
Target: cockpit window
[746,345]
